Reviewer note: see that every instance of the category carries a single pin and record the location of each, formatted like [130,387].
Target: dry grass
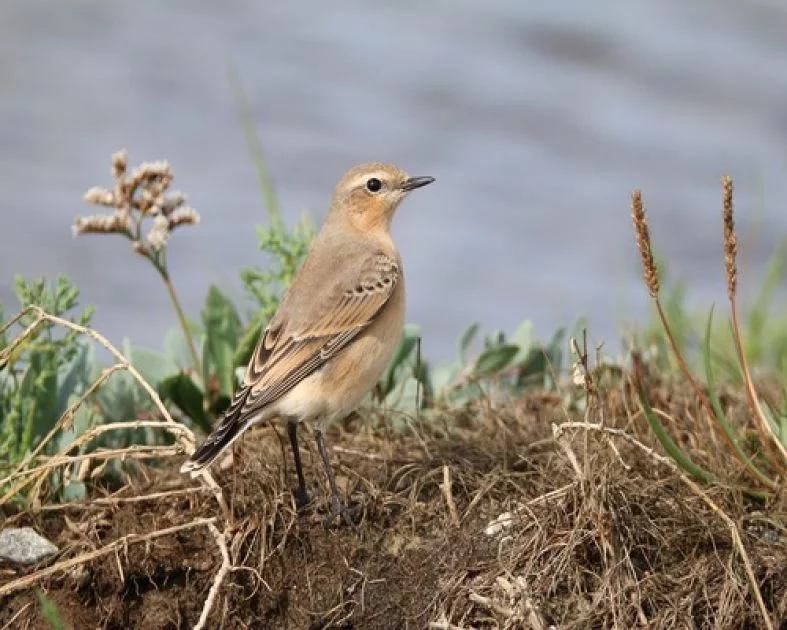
[521,514]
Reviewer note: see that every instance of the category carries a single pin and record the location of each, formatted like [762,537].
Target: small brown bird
[336,327]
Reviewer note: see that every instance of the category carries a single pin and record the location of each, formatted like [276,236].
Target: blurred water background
[536,118]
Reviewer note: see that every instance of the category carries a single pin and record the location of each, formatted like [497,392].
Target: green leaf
[445,375]
[153,366]
[523,338]
[554,350]
[177,348]
[466,339]
[404,355]
[407,397]
[75,376]
[222,329]
[119,397]
[74,491]
[403,362]
[463,395]
[184,393]
[494,359]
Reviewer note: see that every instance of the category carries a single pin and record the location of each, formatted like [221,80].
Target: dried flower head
[134,198]
[100,197]
[183,216]
[642,236]
[172,202]
[155,176]
[98,224]
[159,234]
[730,238]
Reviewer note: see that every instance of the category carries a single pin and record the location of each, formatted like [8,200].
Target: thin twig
[132,451]
[444,625]
[10,623]
[226,565]
[9,350]
[183,433]
[374,457]
[449,497]
[114,501]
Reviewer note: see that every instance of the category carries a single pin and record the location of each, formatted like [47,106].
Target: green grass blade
[255,145]
[720,416]
[50,612]
[673,450]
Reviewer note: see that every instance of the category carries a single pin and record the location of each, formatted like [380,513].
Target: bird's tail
[229,429]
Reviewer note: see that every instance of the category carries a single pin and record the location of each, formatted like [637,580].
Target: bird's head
[368,195]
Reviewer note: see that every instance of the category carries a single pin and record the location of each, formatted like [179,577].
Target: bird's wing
[294,349]
[299,341]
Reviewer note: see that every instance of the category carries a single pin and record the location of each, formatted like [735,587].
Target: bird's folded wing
[293,348]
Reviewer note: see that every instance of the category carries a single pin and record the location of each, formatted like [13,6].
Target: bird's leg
[302,498]
[338,506]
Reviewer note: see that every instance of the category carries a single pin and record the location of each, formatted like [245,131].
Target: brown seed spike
[642,236]
[730,238]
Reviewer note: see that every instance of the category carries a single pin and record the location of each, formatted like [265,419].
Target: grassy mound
[517,516]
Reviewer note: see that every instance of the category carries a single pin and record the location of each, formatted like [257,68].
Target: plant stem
[775,452]
[703,397]
[181,318]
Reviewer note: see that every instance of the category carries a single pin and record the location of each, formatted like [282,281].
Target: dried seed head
[119,164]
[730,238]
[183,216]
[135,197]
[148,173]
[100,197]
[159,234]
[172,202]
[145,201]
[642,237]
[97,224]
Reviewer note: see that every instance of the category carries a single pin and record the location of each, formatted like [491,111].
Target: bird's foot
[340,508]
[302,498]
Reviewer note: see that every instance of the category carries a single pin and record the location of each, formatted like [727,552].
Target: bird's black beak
[411,183]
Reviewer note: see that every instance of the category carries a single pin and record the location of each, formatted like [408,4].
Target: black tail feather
[229,429]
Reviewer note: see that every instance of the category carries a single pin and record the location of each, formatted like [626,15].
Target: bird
[335,330]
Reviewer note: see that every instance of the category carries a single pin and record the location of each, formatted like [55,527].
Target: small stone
[24,545]
[504,521]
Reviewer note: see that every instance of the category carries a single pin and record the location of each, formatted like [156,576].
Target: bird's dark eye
[373,184]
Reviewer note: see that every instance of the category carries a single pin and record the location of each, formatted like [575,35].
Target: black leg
[338,507]
[301,494]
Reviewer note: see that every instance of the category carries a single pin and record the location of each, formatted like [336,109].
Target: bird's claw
[339,508]
[302,499]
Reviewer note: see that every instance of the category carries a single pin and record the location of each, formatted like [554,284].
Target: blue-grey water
[537,118]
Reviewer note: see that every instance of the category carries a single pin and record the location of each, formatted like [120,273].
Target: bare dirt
[599,534]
